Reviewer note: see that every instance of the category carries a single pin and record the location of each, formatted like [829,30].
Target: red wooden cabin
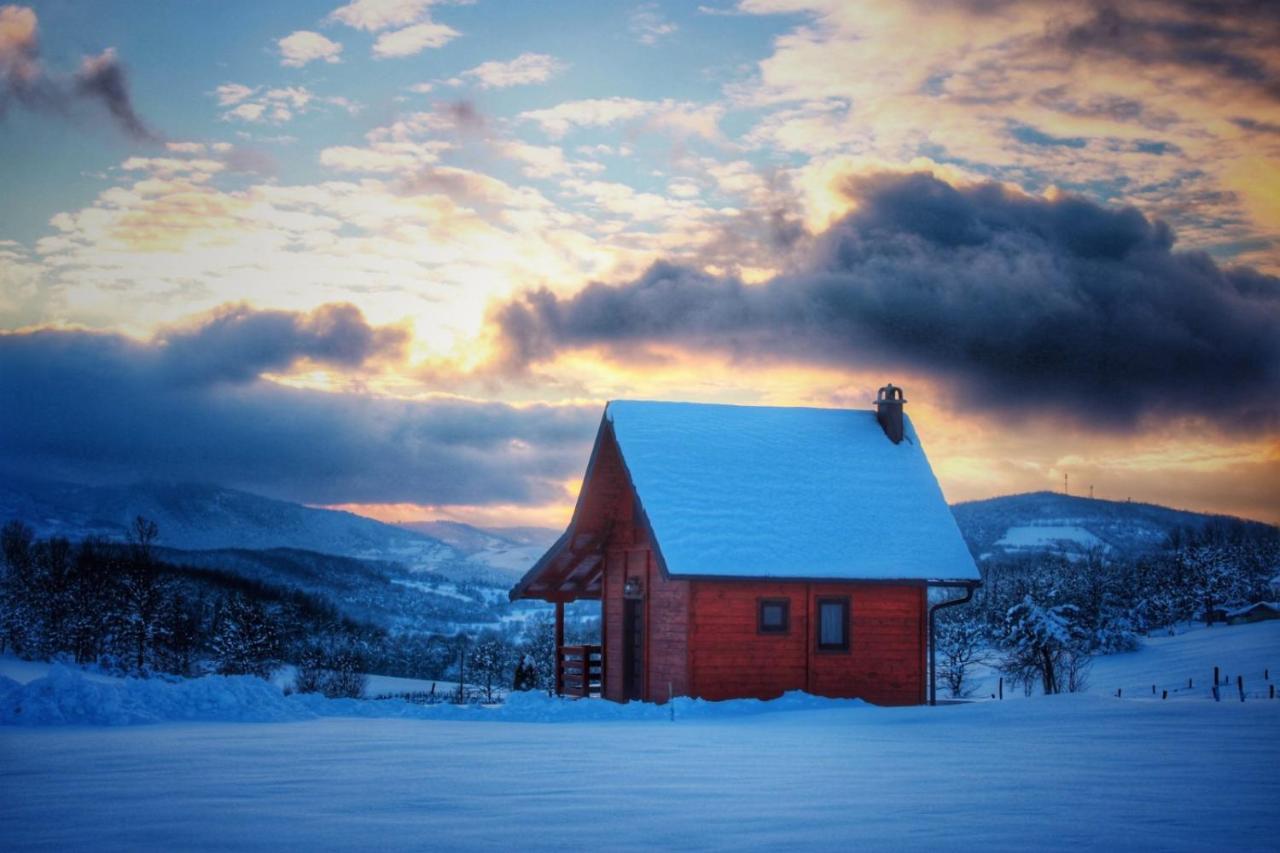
[743,551]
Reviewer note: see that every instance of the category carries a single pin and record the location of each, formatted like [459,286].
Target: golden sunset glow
[520,239]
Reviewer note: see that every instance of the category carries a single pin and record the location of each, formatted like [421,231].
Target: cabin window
[833,624]
[775,615]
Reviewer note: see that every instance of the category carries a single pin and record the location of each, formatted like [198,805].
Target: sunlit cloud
[544,226]
[525,69]
[374,15]
[413,39]
[299,48]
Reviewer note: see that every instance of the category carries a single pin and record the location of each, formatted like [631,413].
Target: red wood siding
[884,663]
[611,623]
[730,659]
[668,634]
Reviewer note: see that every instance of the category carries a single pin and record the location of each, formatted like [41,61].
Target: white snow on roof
[787,493]
[1249,608]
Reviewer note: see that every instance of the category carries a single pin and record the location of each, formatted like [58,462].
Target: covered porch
[570,571]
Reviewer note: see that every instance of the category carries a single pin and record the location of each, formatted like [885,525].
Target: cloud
[647,23]
[19,53]
[1234,41]
[1025,304]
[299,48]
[413,39]
[107,409]
[99,78]
[680,118]
[236,343]
[374,15]
[525,69]
[276,105]
[230,94]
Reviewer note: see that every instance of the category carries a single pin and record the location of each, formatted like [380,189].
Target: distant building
[1259,611]
[743,551]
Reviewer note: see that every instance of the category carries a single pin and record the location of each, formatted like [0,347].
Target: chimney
[889,411]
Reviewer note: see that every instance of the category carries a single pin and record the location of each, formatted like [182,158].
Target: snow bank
[66,697]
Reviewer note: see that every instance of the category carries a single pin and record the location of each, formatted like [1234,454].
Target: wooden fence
[580,671]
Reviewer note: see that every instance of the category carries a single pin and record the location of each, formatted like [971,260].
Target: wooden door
[633,648]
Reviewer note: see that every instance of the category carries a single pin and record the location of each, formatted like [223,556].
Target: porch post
[559,648]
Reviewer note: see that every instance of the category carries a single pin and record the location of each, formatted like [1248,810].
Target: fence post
[1273,691]
[1240,686]
[1000,687]
[1216,677]
[1188,683]
[1164,694]
[1118,690]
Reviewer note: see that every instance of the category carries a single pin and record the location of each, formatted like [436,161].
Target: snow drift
[66,697]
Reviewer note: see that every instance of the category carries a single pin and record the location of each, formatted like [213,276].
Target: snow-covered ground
[1169,662]
[1041,536]
[1065,772]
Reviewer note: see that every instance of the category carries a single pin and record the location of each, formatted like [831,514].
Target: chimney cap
[890,394]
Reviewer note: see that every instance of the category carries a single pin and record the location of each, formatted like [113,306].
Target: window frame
[785,603]
[846,623]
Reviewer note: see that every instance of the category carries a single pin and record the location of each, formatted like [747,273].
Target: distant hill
[1049,521]
[398,578]
[511,548]
[196,517]
[369,591]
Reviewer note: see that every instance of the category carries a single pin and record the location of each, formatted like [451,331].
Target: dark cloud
[24,80]
[93,407]
[237,343]
[1253,125]
[102,78]
[1020,303]
[1229,38]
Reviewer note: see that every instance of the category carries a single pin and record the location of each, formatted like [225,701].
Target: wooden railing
[580,671]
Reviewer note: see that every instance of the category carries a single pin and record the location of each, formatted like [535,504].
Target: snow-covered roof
[1249,608]
[753,491]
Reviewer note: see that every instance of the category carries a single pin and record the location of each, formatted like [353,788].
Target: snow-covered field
[1169,662]
[1040,536]
[1066,772]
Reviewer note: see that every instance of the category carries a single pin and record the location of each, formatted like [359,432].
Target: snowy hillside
[1182,664]
[1082,772]
[1048,521]
[194,517]
[369,591]
[512,548]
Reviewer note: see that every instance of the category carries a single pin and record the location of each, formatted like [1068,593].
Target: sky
[395,255]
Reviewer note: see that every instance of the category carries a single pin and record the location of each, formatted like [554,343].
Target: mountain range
[440,575]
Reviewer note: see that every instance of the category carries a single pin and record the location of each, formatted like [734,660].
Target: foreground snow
[1067,772]
[88,762]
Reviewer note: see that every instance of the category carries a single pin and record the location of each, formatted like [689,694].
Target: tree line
[1041,618]
[121,608]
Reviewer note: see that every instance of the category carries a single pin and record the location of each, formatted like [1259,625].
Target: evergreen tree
[21,626]
[1044,643]
[489,661]
[245,642]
